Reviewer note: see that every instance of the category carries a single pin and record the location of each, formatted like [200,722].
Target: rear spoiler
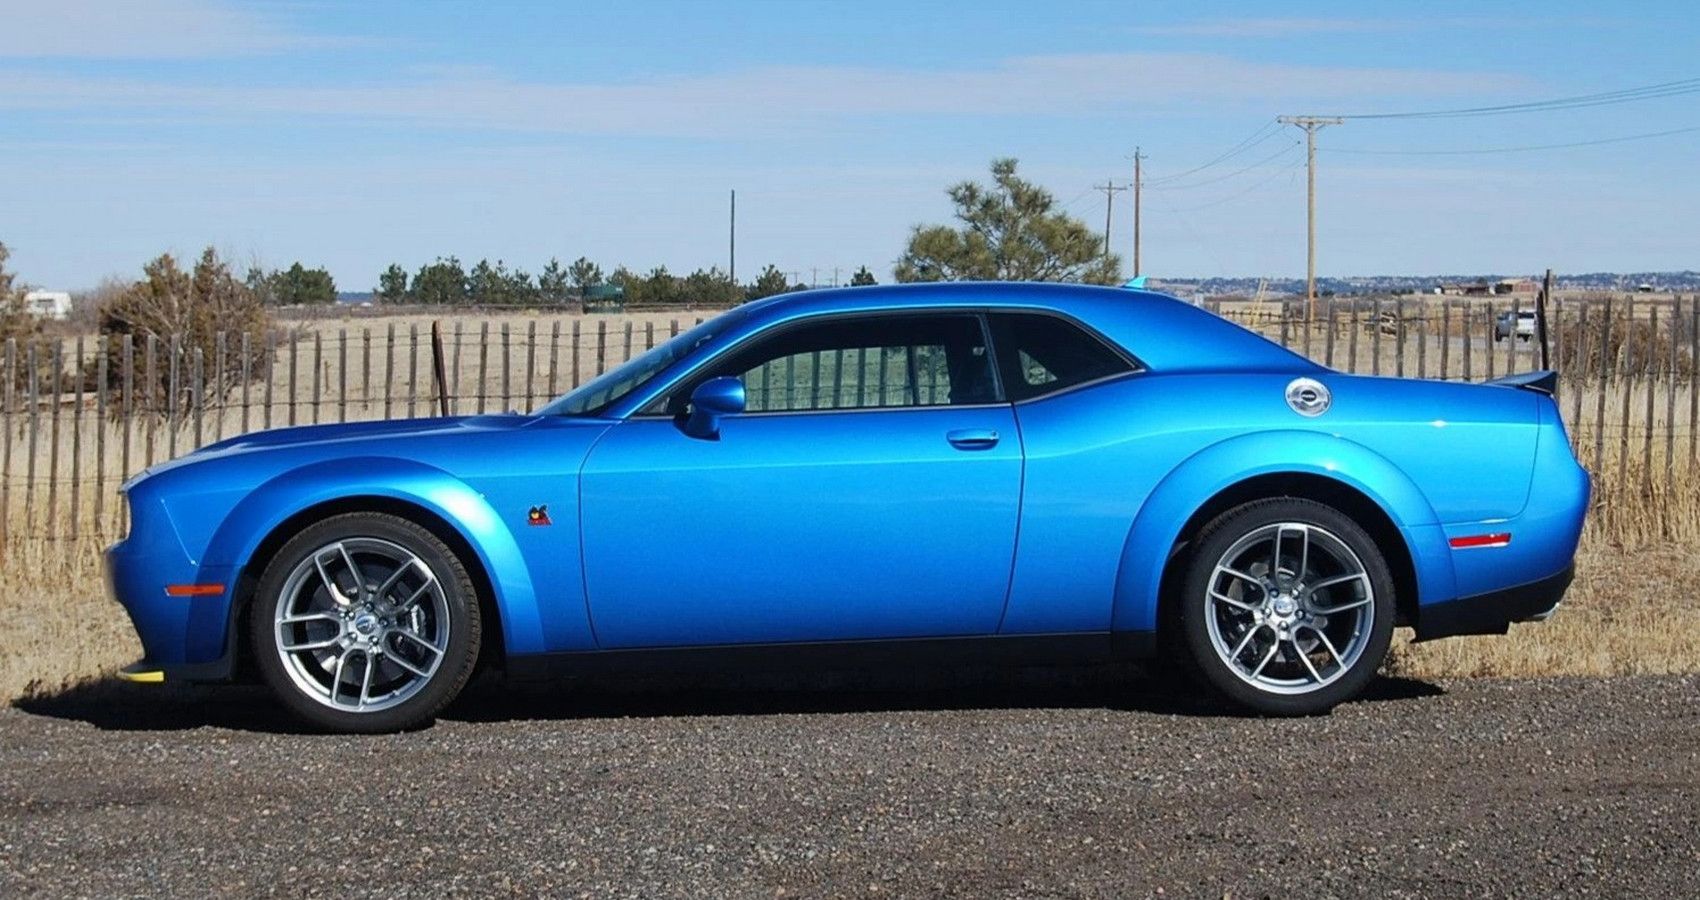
[1544,381]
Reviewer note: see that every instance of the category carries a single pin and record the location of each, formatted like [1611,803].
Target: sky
[353,135]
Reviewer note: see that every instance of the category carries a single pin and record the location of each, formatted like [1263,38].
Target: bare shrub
[1623,346]
[185,312]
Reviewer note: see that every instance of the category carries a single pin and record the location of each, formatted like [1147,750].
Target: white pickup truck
[1521,323]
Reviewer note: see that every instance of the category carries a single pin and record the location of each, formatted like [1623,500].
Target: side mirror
[716,397]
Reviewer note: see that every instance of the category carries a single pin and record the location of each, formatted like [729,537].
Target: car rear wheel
[1287,607]
[365,622]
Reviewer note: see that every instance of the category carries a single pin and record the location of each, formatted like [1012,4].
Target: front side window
[603,391]
[1043,354]
[862,362]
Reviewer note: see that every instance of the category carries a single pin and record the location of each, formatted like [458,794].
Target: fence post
[53,445]
[10,373]
[173,385]
[601,346]
[438,375]
[100,372]
[247,369]
[483,361]
[77,441]
[1670,389]
[1693,383]
[1328,335]
[507,366]
[1605,381]
[412,369]
[1375,336]
[628,345]
[130,403]
[1422,337]
[1399,336]
[271,376]
[1576,389]
[389,367]
[1445,338]
[575,353]
[554,354]
[454,376]
[1628,394]
[32,389]
[198,392]
[1352,340]
[342,374]
[530,362]
[218,386]
[318,368]
[294,354]
[1652,389]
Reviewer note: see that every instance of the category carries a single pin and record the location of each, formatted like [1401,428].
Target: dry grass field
[1632,609]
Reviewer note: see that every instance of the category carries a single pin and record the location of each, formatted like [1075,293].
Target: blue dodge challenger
[1042,473]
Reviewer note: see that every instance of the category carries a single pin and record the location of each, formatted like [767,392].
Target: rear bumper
[1493,612]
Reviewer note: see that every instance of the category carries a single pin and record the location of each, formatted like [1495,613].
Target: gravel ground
[1023,787]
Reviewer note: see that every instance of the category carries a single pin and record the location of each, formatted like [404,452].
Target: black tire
[1194,607]
[459,656]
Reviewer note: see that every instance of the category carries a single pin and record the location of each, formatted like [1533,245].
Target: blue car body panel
[870,524]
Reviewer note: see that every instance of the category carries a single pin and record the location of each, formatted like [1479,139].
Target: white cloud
[1265,28]
[1299,26]
[773,99]
[139,29]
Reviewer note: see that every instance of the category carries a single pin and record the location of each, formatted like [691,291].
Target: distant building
[49,304]
[1472,289]
[1516,286]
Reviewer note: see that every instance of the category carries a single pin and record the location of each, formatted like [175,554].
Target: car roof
[1164,333]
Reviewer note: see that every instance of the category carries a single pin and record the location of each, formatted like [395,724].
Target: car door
[870,489]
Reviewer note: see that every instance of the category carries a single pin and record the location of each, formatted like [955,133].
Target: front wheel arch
[492,650]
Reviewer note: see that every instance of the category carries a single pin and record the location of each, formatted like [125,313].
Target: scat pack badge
[538,515]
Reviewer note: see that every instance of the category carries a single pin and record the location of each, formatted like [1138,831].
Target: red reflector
[193,590]
[1482,540]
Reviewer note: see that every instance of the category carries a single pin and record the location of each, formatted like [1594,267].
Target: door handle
[972,438]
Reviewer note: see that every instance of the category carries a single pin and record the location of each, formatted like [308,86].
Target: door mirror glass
[714,398]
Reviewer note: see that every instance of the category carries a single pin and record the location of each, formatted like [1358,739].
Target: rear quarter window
[1043,354]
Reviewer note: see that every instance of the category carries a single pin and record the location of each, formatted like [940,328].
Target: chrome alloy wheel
[362,624]
[1291,608]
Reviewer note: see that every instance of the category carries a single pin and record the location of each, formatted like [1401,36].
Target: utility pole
[1109,188]
[732,241]
[1138,181]
[1311,125]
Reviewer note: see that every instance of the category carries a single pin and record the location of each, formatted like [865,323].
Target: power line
[1295,166]
[1268,130]
[1234,174]
[1532,147]
[1580,101]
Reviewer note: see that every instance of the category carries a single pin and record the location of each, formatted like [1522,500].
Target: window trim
[1135,365]
[782,328]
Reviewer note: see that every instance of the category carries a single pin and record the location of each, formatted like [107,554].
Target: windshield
[596,395]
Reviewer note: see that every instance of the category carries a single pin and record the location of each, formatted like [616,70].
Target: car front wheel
[1288,606]
[365,622]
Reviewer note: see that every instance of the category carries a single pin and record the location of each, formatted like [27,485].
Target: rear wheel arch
[1339,495]
[492,651]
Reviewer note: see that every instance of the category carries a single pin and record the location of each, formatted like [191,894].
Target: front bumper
[186,638]
[1493,612]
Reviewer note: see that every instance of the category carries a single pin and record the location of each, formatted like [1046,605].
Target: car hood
[307,441]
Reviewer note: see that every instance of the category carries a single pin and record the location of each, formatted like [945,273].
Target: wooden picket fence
[79,415]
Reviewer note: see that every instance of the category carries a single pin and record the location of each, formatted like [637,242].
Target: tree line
[447,282]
